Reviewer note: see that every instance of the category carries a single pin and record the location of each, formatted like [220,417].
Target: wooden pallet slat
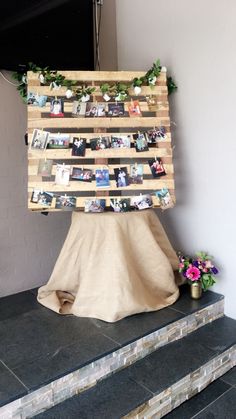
[99,76]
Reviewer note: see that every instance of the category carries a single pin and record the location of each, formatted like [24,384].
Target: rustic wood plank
[107,122]
[103,76]
[152,184]
[109,153]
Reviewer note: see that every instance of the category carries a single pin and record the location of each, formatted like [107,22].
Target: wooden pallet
[39,118]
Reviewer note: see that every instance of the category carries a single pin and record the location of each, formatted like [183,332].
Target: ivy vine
[119,90]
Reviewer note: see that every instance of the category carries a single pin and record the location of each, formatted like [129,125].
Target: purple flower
[195,263]
[214,270]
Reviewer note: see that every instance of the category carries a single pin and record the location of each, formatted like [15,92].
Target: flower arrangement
[199,269]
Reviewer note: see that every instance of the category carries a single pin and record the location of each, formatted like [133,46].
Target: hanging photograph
[155,134]
[62,176]
[94,109]
[58,141]
[57,108]
[121,176]
[157,167]
[84,175]
[141,202]
[36,100]
[35,196]
[164,198]
[42,198]
[78,147]
[100,143]
[45,198]
[102,178]
[45,167]
[141,143]
[136,174]
[152,103]
[134,108]
[64,202]
[116,109]
[121,141]
[39,139]
[94,205]
[78,109]
[120,204]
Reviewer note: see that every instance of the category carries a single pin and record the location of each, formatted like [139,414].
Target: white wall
[29,242]
[196,41]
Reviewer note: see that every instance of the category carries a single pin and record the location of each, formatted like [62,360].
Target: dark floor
[60,344]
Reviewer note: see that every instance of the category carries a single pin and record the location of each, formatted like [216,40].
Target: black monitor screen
[54,33]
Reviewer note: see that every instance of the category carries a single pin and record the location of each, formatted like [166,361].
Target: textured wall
[196,41]
[29,243]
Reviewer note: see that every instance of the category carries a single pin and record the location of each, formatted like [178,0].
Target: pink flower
[193,273]
[181,265]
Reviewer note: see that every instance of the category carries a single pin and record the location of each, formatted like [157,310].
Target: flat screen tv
[54,33]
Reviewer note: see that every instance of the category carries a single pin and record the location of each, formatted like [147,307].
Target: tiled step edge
[187,387]
[87,376]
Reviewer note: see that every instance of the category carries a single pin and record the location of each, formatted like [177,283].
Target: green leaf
[171,87]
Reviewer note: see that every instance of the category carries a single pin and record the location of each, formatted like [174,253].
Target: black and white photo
[39,139]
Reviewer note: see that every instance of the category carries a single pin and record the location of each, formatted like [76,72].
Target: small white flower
[121,96]
[41,78]
[24,79]
[106,97]
[164,69]
[55,86]
[152,80]
[85,98]
[137,90]
[69,93]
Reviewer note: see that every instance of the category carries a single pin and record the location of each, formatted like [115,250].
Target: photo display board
[97,149]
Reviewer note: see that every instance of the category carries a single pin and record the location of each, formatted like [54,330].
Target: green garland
[119,90]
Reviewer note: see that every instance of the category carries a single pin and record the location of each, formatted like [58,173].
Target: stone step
[157,384]
[49,358]
[217,401]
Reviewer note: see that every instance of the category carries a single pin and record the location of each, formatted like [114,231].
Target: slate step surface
[38,346]
[123,392]
[217,401]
